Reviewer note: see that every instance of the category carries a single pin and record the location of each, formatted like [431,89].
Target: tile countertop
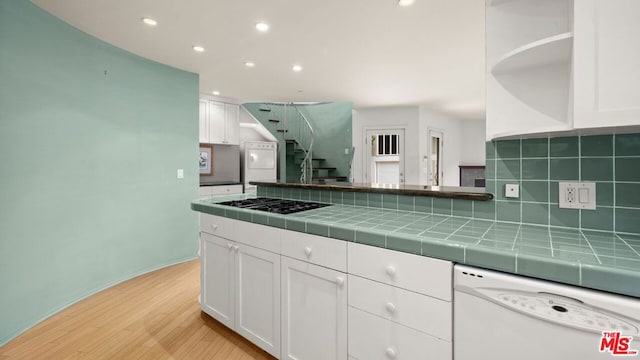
[593,259]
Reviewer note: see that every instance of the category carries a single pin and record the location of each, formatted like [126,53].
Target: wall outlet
[577,195]
[512,191]
[346,151]
[180,174]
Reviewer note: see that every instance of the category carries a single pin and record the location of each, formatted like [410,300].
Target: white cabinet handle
[391,271]
[307,251]
[230,246]
[390,352]
[390,308]
[340,281]
[235,248]
[215,227]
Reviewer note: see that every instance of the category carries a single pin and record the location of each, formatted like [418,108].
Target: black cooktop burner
[278,206]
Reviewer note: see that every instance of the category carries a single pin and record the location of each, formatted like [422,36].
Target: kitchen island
[393,253]
[416,225]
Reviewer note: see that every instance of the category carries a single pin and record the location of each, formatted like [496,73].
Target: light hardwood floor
[154,316]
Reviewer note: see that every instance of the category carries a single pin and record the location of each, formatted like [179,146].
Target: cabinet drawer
[412,272]
[218,225]
[315,249]
[226,189]
[424,313]
[260,236]
[374,338]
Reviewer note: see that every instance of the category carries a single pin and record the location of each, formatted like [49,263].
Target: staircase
[296,136]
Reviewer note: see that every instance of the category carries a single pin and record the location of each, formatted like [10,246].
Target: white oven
[260,162]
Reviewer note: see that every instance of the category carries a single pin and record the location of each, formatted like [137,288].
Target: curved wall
[90,140]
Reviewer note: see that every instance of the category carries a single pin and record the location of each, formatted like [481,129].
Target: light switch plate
[180,174]
[577,195]
[512,191]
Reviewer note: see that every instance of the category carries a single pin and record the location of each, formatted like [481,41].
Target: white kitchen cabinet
[240,285]
[399,305]
[257,294]
[529,50]
[561,66]
[314,312]
[219,122]
[607,54]
[217,275]
[203,122]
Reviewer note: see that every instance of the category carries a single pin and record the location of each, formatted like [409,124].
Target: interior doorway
[436,142]
[384,156]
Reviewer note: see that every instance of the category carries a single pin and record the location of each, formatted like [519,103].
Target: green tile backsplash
[612,161]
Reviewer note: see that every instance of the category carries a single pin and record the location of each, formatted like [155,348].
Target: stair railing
[304,136]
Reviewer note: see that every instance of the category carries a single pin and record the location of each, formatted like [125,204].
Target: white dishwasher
[503,316]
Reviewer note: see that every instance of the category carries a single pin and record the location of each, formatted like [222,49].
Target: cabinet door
[203,121]
[232,123]
[314,312]
[606,75]
[217,278]
[216,123]
[258,297]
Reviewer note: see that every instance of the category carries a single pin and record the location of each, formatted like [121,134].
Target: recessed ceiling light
[198,48]
[249,64]
[262,27]
[296,68]
[216,93]
[405,2]
[149,21]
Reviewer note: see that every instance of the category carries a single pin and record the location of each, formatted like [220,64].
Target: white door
[203,129]
[232,124]
[436,140]
[216,123]
[258,297]
[314,312]
[384,156]
[217,276]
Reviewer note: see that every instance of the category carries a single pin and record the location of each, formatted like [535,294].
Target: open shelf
[550,50]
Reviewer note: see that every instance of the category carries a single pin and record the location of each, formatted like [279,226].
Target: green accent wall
[332,125]
[91,137]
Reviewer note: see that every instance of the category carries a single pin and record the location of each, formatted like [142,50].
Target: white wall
[387,117]
[463,140]
[473,138]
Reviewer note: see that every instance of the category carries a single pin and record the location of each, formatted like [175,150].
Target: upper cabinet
[219,123]
[556,65]
[529,46]
[607,55]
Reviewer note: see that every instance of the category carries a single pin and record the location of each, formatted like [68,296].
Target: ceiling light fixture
[262,27]
[405,2]
[149,21]
[198,48]
[296,68]
[249,64]
[216,93]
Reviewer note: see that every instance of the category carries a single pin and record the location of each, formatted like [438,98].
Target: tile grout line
[613,170]
[520,185]
[590,247]
[579,180]
[626,243]
[549,185]
[550,242]
[458,229]
[513,247]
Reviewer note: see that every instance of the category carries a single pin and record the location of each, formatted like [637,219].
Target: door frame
[441,152]
[366,153]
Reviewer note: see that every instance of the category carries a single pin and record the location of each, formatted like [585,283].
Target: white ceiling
[370,52]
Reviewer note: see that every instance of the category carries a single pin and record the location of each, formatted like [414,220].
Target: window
[385,145]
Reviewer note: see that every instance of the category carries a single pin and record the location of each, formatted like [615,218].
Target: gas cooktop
[277,206]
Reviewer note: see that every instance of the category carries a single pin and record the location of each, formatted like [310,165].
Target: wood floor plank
[154,316]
